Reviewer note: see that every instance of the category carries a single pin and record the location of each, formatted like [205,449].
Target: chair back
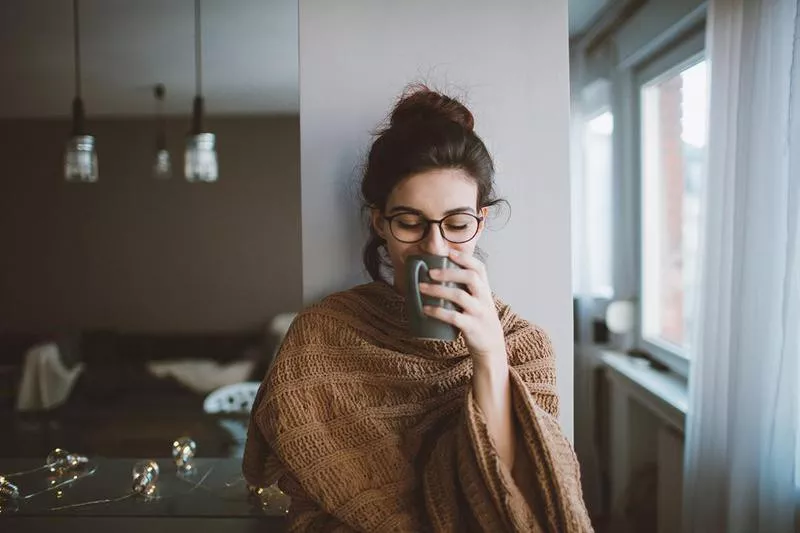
[235,398]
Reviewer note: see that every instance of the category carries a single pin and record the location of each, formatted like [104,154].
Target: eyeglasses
[457,228]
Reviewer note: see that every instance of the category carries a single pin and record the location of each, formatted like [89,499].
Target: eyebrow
[407,209]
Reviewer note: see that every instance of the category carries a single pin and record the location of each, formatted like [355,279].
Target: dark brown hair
[427,130]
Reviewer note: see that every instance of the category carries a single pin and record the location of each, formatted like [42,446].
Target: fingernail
[434,273]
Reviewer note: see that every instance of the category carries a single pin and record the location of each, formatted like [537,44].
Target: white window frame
[686,52]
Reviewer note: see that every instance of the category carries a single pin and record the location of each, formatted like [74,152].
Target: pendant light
[200,163]
[162,166]
[80,157]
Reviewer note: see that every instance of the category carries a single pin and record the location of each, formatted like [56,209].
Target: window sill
[664,393]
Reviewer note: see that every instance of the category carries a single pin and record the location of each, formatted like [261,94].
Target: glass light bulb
[145,475]
[183,451]
[201,158]
[80,159]
[162,167]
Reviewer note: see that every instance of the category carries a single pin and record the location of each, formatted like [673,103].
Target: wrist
[494,368]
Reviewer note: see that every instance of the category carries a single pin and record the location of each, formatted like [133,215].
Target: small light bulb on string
[65,468]
[183,452]
[145,476]
[9,496]
[144,484]
[58,461]
[272,500]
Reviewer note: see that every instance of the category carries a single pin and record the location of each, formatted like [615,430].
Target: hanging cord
[161,141]
[197,106]
[68,481]
[30,471]
[198,66]
[77,47]
[93,502]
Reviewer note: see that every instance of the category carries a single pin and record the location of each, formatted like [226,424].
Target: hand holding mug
[472,310]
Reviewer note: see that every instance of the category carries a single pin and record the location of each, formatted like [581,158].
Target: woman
[370,429]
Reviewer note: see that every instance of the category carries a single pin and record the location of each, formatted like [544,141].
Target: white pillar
[510,60]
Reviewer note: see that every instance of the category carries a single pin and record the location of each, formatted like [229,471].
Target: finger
[448,316]
[476,285]
[469,261]
[464,300]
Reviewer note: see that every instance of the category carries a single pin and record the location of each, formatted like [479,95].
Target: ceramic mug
[422,325]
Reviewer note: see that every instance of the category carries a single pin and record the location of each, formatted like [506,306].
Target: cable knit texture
[370,429]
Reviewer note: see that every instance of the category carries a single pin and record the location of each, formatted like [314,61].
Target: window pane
[674,136]
[592,209]
[597,167]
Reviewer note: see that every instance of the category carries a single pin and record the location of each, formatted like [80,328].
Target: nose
[434,243]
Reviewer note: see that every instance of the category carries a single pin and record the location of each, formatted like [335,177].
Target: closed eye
[408,225]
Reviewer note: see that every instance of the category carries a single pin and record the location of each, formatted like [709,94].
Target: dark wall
[133,253]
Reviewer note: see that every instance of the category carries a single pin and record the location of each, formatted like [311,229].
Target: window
[592,194]
[673,109]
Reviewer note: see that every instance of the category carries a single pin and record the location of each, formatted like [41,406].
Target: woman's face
[433,195]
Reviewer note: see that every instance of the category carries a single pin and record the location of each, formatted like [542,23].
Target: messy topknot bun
[420,104]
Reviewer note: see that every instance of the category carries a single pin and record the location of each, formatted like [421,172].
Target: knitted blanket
[369,429]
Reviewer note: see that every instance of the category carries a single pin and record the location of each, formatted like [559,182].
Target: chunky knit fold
[370,429]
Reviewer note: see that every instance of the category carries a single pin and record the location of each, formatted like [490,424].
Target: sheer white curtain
[742,450]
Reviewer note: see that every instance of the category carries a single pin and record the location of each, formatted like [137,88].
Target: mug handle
[417,299]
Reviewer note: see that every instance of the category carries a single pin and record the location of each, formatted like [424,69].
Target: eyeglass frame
[429,222]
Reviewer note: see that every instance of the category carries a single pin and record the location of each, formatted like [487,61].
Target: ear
[378,223]
[483,213]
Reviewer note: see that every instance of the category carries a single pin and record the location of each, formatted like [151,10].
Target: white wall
[509,58]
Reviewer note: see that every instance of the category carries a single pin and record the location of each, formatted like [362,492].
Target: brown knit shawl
[369,429]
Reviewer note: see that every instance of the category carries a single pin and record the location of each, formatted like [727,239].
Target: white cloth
[202,375]
[46,382]
[277,329]
[742,451]
[279,325]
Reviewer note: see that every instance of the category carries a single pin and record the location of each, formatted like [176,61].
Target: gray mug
[422,325]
